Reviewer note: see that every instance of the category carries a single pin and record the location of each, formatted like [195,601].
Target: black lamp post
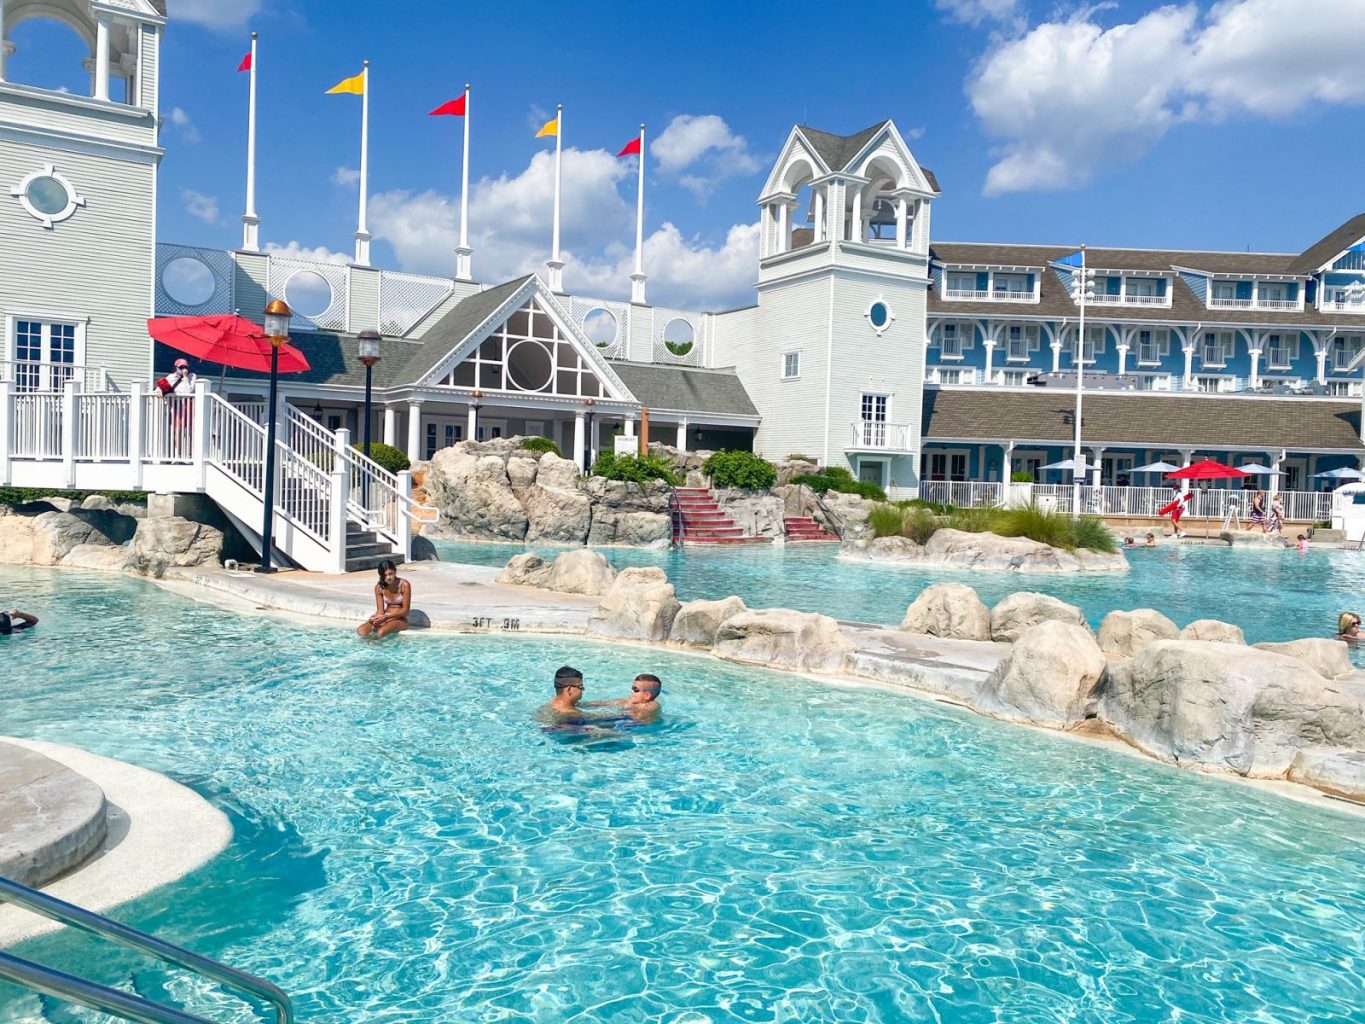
[588,448]
[475,401]
[369,355]
[277,317]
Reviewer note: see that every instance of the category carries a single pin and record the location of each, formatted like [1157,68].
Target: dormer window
[1224,290]
[1010,284]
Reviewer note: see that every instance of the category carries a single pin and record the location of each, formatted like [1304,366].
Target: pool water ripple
[409,845]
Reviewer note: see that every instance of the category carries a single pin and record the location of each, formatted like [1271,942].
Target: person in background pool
[1129,542]
[8,624]
[568,693]
[1151,541]
[1303,544]
[1348,627]
[392,604]
[643,703]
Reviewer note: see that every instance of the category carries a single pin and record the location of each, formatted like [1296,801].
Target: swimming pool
[410,847]
[1272,595]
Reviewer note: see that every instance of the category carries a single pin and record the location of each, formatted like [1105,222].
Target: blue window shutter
[983,280]
[1244,289]
[1112,285]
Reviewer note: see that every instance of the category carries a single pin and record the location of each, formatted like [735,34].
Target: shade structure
[1155,467]
[1206,470]
[1070,465]
[225,339]
[1344,473]
[1256,469]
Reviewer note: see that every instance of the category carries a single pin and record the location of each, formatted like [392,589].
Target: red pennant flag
[633,146]
[455,108]
[246,63]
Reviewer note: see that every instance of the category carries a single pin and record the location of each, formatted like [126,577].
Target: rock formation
[781,638]
[697,621]
[1123,634]
[987,551]
[1214,631]
[949,610]
[1026,609]
[640,605]
[1048,678]
[573,572]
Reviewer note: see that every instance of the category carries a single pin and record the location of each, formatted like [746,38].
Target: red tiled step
[805,528]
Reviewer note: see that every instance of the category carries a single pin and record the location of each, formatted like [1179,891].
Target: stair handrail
[39,978]
[677,521]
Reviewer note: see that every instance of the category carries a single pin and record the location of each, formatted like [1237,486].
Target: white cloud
[179,119]
[199,205]
[346,177]
[214,14]
[1070,97]
[298,251]
[510,224]
[974,12]
[704,145]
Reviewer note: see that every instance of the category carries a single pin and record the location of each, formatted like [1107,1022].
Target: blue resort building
[916,363]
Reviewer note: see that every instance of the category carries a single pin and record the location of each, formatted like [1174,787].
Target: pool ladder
[83,992]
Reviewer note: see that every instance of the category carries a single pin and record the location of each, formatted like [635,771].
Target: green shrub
[633,469]
[1021,476]
[971,520]
[23,495]
[936,507]
[817,483]
[539,444]
[867,489]
[919,524]
[1091,533]
[886,520]
[395,460]
[840,474]
[740,469]
[839,480]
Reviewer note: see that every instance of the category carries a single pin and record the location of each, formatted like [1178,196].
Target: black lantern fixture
[475,402]
[317,412]
[277,317]
[588,448]
[368,342]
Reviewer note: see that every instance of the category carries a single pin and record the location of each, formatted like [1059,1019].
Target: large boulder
[1123,634]
[640,605]
[844,515]
[527,569]
[163,542]
[1223,707]
[697,621]
[949,610]
[1327,657]
[757,513]
[580,572]
[556,509]
[521,472]
[1048,678]
[961,549]
[782,638]
[1213,631]
[48,537]
[1340,772]
[1026,609]
[469,484]
[629,513]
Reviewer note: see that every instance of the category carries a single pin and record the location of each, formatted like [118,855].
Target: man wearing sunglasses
[643,703]
[568,694]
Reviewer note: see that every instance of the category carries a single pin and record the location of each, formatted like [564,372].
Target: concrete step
[365,563]
[380,548]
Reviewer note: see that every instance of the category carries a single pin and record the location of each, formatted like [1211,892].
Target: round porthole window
[879,316]
[47,196]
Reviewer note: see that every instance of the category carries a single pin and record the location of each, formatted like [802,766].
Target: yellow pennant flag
[355,86]
[551,128]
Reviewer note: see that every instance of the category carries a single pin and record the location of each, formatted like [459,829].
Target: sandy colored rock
[1213,631]
[469,484]
[781,638]
[580,572]
[162,542]
[949,610]
[640,605]
[521,472]
[1025,609]
[49,537]
[987,551]
[1327,657]
[527,569]
[1222,707]
[99,557]
[1123,634]
[757,513]
[1049,677]
[697,621]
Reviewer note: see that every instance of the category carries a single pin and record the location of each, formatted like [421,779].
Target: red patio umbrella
[226,339]
[1206,470]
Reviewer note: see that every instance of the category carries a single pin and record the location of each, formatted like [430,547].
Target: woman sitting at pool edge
[1348,628]
[392,604]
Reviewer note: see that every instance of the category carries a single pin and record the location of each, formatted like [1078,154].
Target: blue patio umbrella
[1156,467]
[1344,473]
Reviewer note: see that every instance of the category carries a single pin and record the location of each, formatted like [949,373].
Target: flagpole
[637,279]
[251,241]
[362,233]
[463,270]
[555,264]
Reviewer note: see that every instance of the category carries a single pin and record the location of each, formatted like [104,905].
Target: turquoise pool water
[409,846]
[1272,595]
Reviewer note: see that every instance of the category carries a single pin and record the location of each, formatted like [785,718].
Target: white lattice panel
[405,298]
[580,308]
[333,318]
[214,269]
[694,356]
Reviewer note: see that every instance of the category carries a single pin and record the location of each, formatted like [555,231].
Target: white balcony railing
[877,434]
[999,295]
[1269,305]
[1122,502]
[27,375]
[1130,300]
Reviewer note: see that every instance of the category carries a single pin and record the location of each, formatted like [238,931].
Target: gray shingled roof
[1148,418]
[838,151]
[1327,248]
[447,333]
[684,388]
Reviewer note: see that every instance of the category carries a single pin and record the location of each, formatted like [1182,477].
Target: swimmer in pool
[643,703]
[568,693]
[14,620]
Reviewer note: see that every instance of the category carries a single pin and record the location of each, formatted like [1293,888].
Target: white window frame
[74,199]
[1144,286]
[1229,286]
[890,315]
[1289,344]
[1154,381]
[1159,338]
[954,280]
[45,364]
[1015,378]
[1029,336]
[1226,344]
[948,454]
[791,355]
[1349,345]
[1223,383]
[956,371]
[1279,287]
[961,344]
[1004,282]
[1094,345]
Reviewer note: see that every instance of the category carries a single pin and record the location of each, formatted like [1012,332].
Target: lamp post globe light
[277,317]
[1082,292]
[368,343]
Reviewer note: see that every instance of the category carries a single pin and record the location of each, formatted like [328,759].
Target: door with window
[874,420]
[1116,470]
[945,465]
[44,355]
[442,433]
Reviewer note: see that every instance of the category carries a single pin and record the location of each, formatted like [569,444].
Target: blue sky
[1203,125]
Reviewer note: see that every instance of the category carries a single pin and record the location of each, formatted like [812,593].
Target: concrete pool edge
[925,661]
[159,831]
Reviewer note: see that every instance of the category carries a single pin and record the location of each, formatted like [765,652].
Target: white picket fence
[1123,502]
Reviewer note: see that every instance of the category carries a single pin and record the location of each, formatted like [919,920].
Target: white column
[1123,360]
[1255,378]
[579,438]
[1189,365]
[414,431]
[990,361]
[630,426]
[251,224]
[1096,454]
[6,418]
[70,416]
[1056,357]
[341,496]
[555,264]
[1322,365]
[784,234]
[1007,462]
[682,436]
[137,404]
[819,213]
[1275,478]
[472,423]
[405,522]
[390,424]
[102,57]
[855,223]
[1186,457]
[901,205]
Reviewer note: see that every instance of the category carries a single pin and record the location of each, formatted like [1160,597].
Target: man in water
[643,703]
[8,623]
[568,693]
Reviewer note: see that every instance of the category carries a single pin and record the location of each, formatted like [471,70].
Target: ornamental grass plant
[919,522]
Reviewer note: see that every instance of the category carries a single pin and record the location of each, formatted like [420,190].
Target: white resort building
[927,367]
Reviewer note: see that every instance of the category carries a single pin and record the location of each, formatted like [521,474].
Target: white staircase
[334,510]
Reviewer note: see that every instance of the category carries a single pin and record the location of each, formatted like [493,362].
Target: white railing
[1123,502]
[1130,300]
[237,445]
[102,427]
[980,295]
[27,376]
[167,428]
[304,492]
[1269,304]
[37,426]
[254,411]
[879,434]
[309,438]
